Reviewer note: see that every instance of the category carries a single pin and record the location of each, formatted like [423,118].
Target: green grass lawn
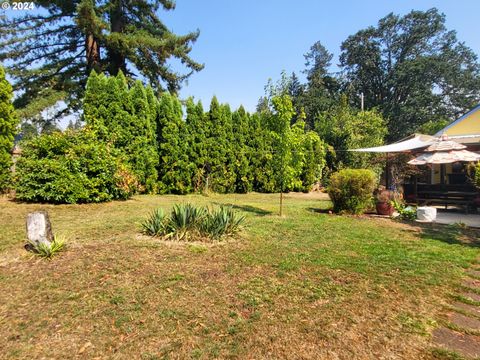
[308,285]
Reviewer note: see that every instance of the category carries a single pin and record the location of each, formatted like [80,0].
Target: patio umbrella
[444,151]
[445,157]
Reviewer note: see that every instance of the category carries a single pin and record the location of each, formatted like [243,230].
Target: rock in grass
[39,229]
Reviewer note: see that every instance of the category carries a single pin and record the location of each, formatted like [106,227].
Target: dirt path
[460,330]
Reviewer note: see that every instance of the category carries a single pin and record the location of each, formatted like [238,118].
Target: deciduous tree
[413,69]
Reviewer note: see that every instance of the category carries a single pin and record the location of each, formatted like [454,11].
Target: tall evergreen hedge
[125,117]
[8,129]
[161,149]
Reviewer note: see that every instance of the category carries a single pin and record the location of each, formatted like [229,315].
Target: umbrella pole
[415,187]
[442,175]
[387,173]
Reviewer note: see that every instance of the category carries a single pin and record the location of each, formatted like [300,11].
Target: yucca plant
[49,250]
[155,224]
[221,222]
[184,220]
[187,222]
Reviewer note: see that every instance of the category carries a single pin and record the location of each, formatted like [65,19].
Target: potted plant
[384,203]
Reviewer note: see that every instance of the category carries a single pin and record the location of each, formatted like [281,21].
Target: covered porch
[437,179]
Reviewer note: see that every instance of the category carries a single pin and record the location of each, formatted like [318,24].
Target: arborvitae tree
[142,149]
[314,160]
[262,153]
[230,155]
[242,151]
[8,129]
[172,138]
[197,145]
[54,49]
[123,117]
[219,168]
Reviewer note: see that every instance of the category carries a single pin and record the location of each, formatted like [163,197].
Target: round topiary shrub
[71,167]
[351,190]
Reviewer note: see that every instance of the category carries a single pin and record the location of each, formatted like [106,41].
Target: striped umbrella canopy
[445,145]
[444,151]
[445,157]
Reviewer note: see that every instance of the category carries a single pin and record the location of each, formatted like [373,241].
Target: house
[441,183]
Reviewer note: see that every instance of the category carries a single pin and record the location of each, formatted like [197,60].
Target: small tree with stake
[283,142]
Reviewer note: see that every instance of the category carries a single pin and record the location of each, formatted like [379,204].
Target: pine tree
[262,153]
[53,50]
[8,129]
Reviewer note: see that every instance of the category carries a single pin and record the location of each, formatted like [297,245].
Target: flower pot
[385,208]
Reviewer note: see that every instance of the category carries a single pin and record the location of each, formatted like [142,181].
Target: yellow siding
[469,125]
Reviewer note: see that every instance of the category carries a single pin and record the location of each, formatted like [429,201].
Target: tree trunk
[93,53]
[117,24]
[281,203]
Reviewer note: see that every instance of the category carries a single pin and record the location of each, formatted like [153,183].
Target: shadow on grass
[450,234]
[246,208]
[320,211]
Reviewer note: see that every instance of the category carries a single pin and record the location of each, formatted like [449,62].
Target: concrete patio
[452,216]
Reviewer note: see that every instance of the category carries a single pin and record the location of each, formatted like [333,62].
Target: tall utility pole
[361,101]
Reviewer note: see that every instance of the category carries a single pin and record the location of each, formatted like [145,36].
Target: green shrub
[71,167]
[187,222]
[351,190]
[405,212]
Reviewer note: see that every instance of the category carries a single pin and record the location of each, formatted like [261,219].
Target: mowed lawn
[309,285]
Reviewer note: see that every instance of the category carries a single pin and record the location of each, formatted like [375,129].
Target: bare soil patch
[467,345]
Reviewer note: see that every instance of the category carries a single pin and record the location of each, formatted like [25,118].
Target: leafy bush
[48,250]
[188,222]
[351,190]
[71,167]
[405,212]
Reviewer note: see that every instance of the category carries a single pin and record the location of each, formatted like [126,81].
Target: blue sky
[244,43]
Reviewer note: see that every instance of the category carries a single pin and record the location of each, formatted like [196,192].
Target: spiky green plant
[187,222]
[155,224]
[184,220]
[223,221]
[49,250]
